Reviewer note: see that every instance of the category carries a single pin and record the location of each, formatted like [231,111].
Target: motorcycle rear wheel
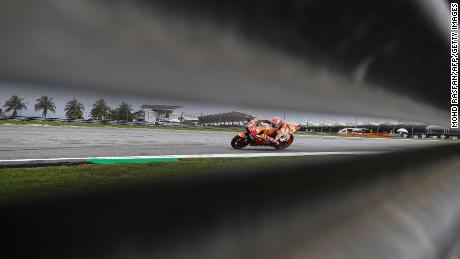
[239,142]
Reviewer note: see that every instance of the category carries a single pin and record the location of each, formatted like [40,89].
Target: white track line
[239,155]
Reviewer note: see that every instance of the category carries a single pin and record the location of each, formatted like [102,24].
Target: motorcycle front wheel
[285,144]
[239,142]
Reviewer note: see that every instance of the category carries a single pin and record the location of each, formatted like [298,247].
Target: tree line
[74,109]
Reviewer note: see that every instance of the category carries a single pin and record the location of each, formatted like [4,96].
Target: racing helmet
[277,122]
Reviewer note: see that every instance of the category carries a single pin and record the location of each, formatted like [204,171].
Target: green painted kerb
[109,161]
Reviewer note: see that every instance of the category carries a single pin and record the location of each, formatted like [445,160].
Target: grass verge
[70,124]
[26,184]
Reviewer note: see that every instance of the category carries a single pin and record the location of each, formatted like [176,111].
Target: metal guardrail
[269,49]
[398,205]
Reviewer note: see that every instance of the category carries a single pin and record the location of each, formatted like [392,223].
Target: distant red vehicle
[362,132]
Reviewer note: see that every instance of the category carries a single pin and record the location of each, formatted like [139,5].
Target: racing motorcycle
[244,139]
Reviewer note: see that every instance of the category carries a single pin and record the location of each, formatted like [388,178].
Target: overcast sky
[61,97]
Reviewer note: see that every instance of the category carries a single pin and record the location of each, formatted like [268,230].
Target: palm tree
[100,110]
[139,115]
[74,110]
[124,112]
[15,104]
[112,114]
[45,104]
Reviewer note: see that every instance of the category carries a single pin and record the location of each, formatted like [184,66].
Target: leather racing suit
[263,129]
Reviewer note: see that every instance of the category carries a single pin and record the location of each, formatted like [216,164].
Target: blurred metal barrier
[383,59]
[398,205]
[311,55]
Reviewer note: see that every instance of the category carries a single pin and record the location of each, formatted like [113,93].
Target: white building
[156,113]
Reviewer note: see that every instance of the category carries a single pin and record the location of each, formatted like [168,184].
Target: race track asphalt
[39,142]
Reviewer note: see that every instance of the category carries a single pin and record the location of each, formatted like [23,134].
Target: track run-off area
[53,143]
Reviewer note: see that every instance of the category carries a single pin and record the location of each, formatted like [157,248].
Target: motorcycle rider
[275,123]
[283,129]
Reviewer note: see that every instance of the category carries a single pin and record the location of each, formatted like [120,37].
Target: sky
[31,93]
